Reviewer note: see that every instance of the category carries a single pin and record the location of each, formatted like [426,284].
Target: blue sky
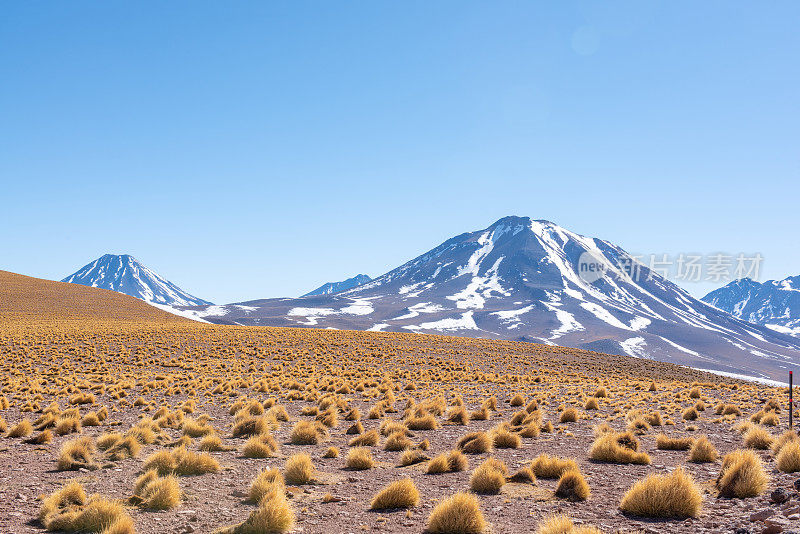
[254,149]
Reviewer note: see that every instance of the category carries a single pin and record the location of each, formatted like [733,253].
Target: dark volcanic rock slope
[521,279]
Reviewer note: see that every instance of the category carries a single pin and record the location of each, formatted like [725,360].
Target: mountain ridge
[331,288]
[774,304]
[521,279]
[125,274]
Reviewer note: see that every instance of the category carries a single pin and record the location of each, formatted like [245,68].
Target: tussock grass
[475,443]
[264,482]
[667,443]
[458,514]
[489,477]
[76,454]
[359,458]
[181,461]
[546,466]
[152,492]
[274,515]
[261,446]
[572,486]
[367,439]
[621,448]
[399,494]
[307,433]
[69,509]
[703,451]
[447,463]
[412,457]
[742,475]
[23,429]
[569,415]
[299,469]
[562,524]
[758,438]
[422,422]
[672,495]
[788,458]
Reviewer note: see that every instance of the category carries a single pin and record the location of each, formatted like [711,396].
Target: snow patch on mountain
[125,274]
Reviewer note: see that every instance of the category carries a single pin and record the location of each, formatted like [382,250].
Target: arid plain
[116,417]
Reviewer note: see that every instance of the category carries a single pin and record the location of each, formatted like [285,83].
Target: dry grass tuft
[359,459]
[475,443]
[562,524]
[181,462]
[77,454]
[152,492]
[307,433]
[573,486]
[399,494]
[274,515]
[264,482]
[757,437]
[546,466]
[68,509]
[298,469]
[667,443]
[621,448]
[703,451]
[261,446]
[23,429]
[742,475]
[673,495]
[489,477]
[458,514]
[788,458]
[570,415]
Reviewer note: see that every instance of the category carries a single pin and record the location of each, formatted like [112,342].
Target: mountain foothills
[124,274]
[519,279]
[774,303]
[337,287]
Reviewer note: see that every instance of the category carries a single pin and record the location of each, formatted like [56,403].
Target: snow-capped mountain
[124,274]
[774,303]
[532,280]
[337,287]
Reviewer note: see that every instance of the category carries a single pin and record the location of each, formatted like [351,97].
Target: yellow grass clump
[673,495]
[458,514]
[742,475]
[152,492]
[546,466]
[298,470]
[76,454]
[69,509]
[489,477]
[573,486]
[621,448]
[788,459]
[703,451]
[562,524]
[359,458]
[399,494]
[181,461]
[264,482]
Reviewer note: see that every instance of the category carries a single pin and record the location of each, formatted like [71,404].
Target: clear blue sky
[255,149]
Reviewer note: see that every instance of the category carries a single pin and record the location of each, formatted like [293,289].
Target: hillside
[25,299]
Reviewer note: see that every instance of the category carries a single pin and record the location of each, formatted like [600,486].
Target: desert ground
[116,418]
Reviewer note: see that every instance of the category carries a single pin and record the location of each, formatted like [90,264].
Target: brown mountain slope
[25,299]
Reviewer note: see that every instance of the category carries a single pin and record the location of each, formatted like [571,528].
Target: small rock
[779,496]
[797,484]
[761,515]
